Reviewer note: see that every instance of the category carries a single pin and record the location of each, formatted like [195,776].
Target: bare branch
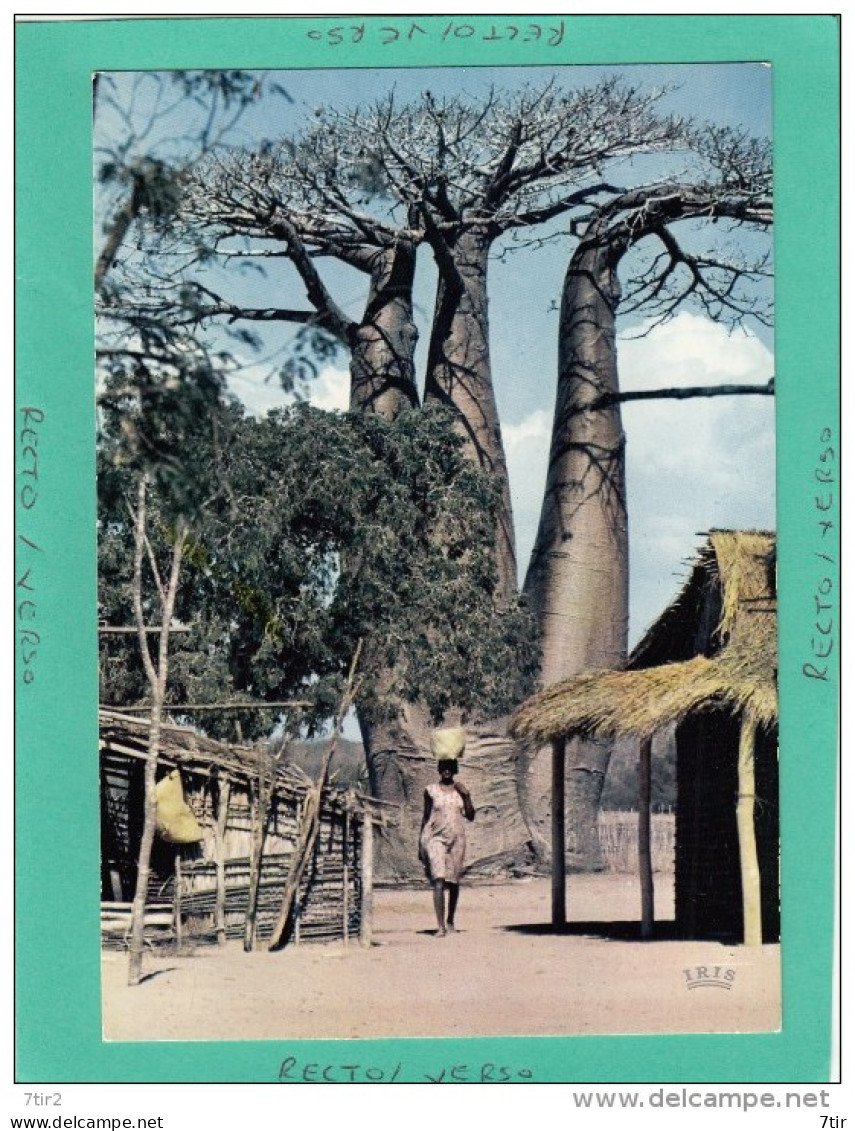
[687,392]
[565,204]
[139,516]
[332,317]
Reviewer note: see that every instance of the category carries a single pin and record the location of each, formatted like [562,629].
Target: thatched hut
[708,666]
[222,858]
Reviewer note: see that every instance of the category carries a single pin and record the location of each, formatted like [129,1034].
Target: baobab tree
[457,177]
[577,580]
[474,174]
[470,173]
[369,186]
[367,189]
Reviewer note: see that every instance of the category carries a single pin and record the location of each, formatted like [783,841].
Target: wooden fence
[328,906]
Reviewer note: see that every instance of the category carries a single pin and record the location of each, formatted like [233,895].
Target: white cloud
[691,350]
[532,429]
[713,434]
[330,390]
[694,464]
[691,465]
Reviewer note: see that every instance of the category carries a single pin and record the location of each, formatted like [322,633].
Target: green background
[58,1030]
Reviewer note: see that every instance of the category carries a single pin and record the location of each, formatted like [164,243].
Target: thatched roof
[714,647]
[127,735]
[184,747]
[734,572]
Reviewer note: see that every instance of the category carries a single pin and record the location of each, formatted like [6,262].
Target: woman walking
[442,843]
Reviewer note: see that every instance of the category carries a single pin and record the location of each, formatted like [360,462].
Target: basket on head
[447,745]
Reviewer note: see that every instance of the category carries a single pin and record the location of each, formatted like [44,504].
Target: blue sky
[691,465]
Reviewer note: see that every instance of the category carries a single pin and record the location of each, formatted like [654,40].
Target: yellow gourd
[175,820]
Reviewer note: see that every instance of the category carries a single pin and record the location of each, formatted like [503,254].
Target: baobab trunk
[577,582]
[382,367]
[382,372]
[401,766]
[459,375]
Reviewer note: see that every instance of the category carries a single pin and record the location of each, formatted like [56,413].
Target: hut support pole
[177,908]
[752,924]
[254,864]
[263,803]
[645,863]
[345,882]
[220,850]
[559,863]
[366,910]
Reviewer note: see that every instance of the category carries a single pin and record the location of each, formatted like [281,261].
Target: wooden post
[258,820]
[559,862]
[262,804]
[116,885]
[311,821]
[645,863]
[176,902]
[249,921]
[366,911]
[752,924]
[220,856]
[156,677]
[345,877]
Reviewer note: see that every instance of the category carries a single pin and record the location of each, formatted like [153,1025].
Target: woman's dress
[443,839]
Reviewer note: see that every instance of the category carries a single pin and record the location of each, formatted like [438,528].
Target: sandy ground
[504,973]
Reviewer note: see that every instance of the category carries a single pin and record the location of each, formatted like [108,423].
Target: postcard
[427,548]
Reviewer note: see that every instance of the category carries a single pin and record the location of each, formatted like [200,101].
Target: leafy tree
[315,531]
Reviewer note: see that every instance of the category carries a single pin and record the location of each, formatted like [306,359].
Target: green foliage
[311,531]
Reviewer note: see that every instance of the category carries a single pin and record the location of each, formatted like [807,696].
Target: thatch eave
[683,664]
[609,704]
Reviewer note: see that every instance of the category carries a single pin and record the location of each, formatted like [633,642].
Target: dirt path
[503,974]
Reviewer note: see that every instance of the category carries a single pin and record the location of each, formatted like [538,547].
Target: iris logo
[709,977]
